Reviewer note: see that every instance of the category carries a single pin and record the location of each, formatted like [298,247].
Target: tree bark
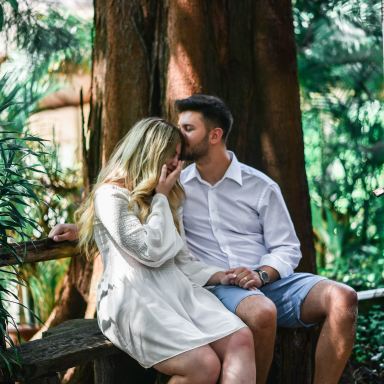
[245,53]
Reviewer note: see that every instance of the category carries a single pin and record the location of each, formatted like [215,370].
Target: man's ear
[216,135]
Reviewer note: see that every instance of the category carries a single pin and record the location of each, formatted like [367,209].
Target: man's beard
[198,151]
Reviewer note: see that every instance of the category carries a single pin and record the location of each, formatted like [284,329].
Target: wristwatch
[264,277]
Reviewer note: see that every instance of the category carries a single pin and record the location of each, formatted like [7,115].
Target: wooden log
[292,363]
[121,368]
[70,325]
[80,341]
[39,250]
[51,379]
[74,343]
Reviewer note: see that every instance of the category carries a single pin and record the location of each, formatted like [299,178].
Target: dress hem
[197,346]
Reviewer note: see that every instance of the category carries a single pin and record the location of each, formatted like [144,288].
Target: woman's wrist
[221,277]
[161,194]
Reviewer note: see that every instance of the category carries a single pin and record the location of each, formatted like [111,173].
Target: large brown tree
[148,53]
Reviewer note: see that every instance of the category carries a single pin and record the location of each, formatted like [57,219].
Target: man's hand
[230,277]
[248,279]
[245,278]
[166,182]
[62,232]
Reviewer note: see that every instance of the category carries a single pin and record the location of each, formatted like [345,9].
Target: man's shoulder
[254,175]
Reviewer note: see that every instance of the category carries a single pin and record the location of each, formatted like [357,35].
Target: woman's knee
[243,339]
[207,367]
[199,366]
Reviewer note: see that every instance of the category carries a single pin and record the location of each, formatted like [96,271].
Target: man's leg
[336,305]
[259,313]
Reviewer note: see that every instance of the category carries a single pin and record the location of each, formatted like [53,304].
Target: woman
[151,303]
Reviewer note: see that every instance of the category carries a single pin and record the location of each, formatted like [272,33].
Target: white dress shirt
[242,220]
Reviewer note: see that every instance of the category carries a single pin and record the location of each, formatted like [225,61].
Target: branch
[370,294]
[39,250]
[61,99]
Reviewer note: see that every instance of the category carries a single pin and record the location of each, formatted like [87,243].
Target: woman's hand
[166,183]
[227,278]
[242,277]
[62,232]
[222,277]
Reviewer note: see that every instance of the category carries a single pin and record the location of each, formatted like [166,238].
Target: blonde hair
[135,164]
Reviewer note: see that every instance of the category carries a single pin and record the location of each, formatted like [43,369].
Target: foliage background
[340,63]
[339,44]
[45,46]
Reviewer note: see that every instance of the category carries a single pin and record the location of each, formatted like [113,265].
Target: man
[235,217]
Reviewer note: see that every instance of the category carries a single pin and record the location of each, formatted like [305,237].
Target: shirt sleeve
[197,271]
[280,238]
[152,243]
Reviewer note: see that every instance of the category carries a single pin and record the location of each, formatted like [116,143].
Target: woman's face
[172,162]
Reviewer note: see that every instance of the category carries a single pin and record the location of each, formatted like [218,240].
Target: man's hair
[212,108]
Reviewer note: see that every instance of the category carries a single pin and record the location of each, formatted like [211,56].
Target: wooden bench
[80,342]
[74,343]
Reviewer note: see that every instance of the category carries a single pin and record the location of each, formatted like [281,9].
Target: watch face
[264,276]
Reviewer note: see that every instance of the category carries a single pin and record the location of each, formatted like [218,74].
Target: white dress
[151,303]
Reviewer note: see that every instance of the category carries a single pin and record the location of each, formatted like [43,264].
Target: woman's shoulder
[111,191]
[112,187]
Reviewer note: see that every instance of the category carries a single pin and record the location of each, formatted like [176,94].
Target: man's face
[196,133]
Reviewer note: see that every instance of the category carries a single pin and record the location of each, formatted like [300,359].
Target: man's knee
[343,301]
[258,312]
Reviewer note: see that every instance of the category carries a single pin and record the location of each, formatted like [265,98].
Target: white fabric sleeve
[197,271]
[151,244]
[279,234]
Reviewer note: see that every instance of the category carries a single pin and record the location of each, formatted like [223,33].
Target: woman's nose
[175,160]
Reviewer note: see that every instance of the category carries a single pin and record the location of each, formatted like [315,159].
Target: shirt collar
[233,172]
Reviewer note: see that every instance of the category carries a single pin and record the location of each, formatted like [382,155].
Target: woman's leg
[198,366]
[237,355]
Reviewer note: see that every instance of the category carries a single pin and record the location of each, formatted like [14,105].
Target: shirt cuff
[206,274]
[160,196]
[275,262]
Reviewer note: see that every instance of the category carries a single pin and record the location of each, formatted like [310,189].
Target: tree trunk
[148,53]
[245,53]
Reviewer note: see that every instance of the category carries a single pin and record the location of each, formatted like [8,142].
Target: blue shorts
[288,294]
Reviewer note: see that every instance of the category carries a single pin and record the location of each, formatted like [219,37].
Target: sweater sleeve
[152,243]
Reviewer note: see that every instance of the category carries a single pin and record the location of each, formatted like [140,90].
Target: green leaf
[1,18]
[14,4]
[5,357]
